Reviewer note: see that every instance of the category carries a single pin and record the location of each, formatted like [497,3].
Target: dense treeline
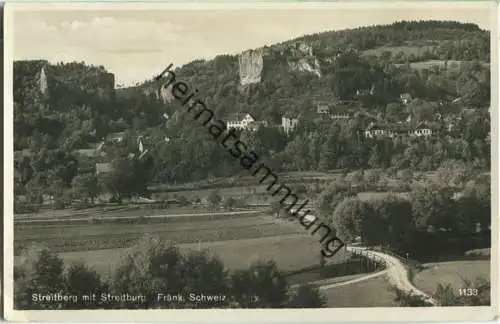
[430,221]
[407,33]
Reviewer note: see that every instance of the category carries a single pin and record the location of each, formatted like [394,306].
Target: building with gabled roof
[422,129]
[239,121]
[103,168]
[340,112]
[375,130]
[322,108]
[116,137]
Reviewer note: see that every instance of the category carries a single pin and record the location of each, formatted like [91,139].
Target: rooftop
[237,117]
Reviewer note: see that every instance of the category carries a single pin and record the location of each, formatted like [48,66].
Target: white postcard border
[389,314]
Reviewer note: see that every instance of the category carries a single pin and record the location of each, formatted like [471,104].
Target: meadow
[407,49]
[451,272]
[374,292]
[238,241]
[429,64]
[109,235]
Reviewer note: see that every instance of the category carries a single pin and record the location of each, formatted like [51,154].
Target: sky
[137,44]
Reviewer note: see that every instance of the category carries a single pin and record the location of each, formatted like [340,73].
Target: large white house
[422,130]
[239,121]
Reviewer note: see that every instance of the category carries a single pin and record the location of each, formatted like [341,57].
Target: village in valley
[399,127]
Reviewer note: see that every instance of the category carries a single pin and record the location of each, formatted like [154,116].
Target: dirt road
[396,271]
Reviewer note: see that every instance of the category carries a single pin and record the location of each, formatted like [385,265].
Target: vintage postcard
[251,162]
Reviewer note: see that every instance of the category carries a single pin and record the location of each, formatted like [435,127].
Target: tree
[404,299]
[127,178]
[34,195]
[394,219]
[372,176]
[86,186]
[445,295]
[474,206]
[306,297]
[300,189]
[479,293]
[331,197]
[151,266]
[393,109]
[39,272]
[229,202]
[80,281]
[183,201]
[204,274]
[353,218]
[433,205]
[261,286]
[214,198]
[406,175]
[357,177]
[276,208]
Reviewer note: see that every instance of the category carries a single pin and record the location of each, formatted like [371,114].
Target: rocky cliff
[163,94]
[306,65]
[302,59]
[61,85]
[44,87]
[251,64]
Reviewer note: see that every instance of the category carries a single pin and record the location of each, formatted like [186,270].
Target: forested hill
[442,65]
[293,74]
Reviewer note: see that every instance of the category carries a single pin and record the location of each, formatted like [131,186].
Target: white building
[377,130]
[116,137]
[239,121]
[289,124]
[422,130]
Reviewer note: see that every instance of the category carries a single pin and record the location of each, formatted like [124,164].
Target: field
[440,63]
[111,211]
[451,272]
[372,292]
[238,241]
[111,235]
[290,252]
[368,195]
[408,49]
[246,187]
[254,194]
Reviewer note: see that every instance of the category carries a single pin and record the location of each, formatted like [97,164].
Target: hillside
[288,77]
[353,71]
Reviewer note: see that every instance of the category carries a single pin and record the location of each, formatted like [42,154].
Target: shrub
[306,297]
[40,272]
[81,281]
[261,286]
[404,299]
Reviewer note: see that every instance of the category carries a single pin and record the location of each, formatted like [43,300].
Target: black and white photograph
[217,156]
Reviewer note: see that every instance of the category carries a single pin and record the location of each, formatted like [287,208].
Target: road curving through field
[396,271]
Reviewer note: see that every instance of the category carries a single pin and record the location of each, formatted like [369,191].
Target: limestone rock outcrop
[44,87]
[251,64]
[304,65]
[165,94]
[39,82]
[304,60]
